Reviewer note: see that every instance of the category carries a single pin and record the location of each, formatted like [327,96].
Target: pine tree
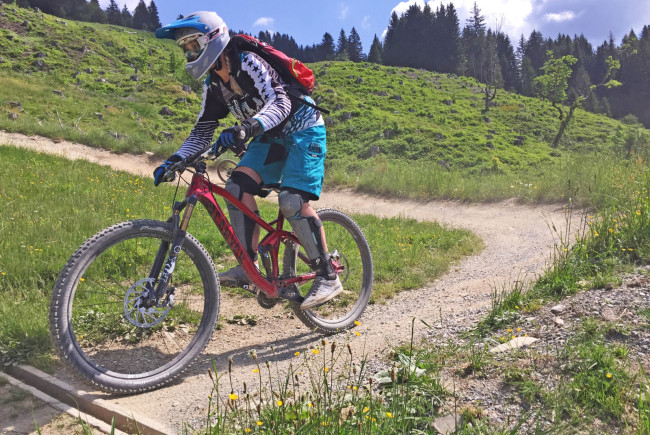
[354,46]
[141,17]
[154,19]
[390,54]
[342,46]
[326,49]
[113,14]
[95,14]
[127,18]
[374,56]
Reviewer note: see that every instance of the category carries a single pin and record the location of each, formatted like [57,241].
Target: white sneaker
[322,290]
[235,277]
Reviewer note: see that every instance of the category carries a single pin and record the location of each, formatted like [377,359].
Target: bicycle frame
[274,286]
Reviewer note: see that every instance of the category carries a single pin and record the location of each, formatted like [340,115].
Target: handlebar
[192,160]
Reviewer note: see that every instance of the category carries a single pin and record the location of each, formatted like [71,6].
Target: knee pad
[240,183]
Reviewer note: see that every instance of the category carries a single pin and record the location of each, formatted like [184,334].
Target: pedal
[291,294]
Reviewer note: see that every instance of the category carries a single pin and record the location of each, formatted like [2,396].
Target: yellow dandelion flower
[327,369]
[247,430]
[315,351]
[233,396]
[609,375]
[503,338]
[297,353]
[356,322]
[509,330]
[355,388]
[256,370]
[366,409]
[3,274]
[259,423]
[389,415]
[357,333]
[324,423]
[309,404]
[518,329]
[81,280]
[516,307]
[596,233]
[279,402]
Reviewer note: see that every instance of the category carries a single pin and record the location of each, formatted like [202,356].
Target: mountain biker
[288,142]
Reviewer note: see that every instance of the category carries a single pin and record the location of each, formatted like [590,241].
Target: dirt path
[518,245]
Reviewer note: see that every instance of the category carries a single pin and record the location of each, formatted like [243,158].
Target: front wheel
[345,238]
[100,321]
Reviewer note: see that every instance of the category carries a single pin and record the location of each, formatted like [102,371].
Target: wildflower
[3,274]
[324,423]
[256,370]
[279,402]
[518,329]
[315,351]
[609,375]
[509,330]
[247,430]
[389,415]
[366,409]
[516,307]
[327,369]
[81,280]
[503,338]
[259,423]
[297,353]
[233,396]
[356,322]
[311,405]
[596,233]
[357,333]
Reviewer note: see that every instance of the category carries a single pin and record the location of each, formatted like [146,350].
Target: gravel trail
[518,245]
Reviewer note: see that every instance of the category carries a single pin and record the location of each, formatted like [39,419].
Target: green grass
[430,131]
[52,205]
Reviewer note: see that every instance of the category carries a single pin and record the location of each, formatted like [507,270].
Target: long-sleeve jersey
[264,99]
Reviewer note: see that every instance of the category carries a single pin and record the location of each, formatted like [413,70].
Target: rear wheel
[99,318]
[345,239]
[225,168]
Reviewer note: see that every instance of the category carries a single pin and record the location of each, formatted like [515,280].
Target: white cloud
[402,7]
[264,22]
[344,11]
[365,23]
[560,16]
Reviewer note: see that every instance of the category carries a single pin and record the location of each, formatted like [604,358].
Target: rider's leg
[308,228]
[243,184]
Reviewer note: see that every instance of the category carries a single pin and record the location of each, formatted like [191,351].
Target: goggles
[193,46]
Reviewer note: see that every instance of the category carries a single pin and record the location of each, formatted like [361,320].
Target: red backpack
[292,71]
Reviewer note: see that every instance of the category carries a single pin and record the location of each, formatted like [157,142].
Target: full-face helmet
[202,35]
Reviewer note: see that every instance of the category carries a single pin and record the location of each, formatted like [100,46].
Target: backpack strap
[301,100]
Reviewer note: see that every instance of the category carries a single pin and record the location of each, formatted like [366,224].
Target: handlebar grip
[169,176]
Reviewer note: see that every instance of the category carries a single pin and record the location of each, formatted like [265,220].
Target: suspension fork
[179,232]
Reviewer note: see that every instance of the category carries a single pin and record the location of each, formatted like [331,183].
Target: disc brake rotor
[135,310]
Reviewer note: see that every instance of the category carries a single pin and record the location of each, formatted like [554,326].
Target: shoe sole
[321,300]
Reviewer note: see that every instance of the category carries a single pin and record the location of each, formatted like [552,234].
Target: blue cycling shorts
[296,160]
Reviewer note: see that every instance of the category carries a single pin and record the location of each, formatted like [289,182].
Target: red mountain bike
[138,301]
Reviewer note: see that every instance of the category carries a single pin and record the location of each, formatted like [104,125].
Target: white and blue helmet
[202,35]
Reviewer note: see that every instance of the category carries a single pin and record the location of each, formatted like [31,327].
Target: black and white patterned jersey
[264,99]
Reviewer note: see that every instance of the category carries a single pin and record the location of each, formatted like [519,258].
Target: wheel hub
[138,311]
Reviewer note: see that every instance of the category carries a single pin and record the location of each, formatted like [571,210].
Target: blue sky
[308,20]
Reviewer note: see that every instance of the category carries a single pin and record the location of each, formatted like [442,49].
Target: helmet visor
[192,46]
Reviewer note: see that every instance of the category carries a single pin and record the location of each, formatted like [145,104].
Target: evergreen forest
[435,40]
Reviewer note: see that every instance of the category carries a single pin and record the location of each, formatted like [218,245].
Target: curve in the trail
[518,244]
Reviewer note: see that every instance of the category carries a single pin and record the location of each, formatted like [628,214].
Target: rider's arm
[277,105]
[212,110]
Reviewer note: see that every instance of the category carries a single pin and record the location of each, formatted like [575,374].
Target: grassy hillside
[396,131]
